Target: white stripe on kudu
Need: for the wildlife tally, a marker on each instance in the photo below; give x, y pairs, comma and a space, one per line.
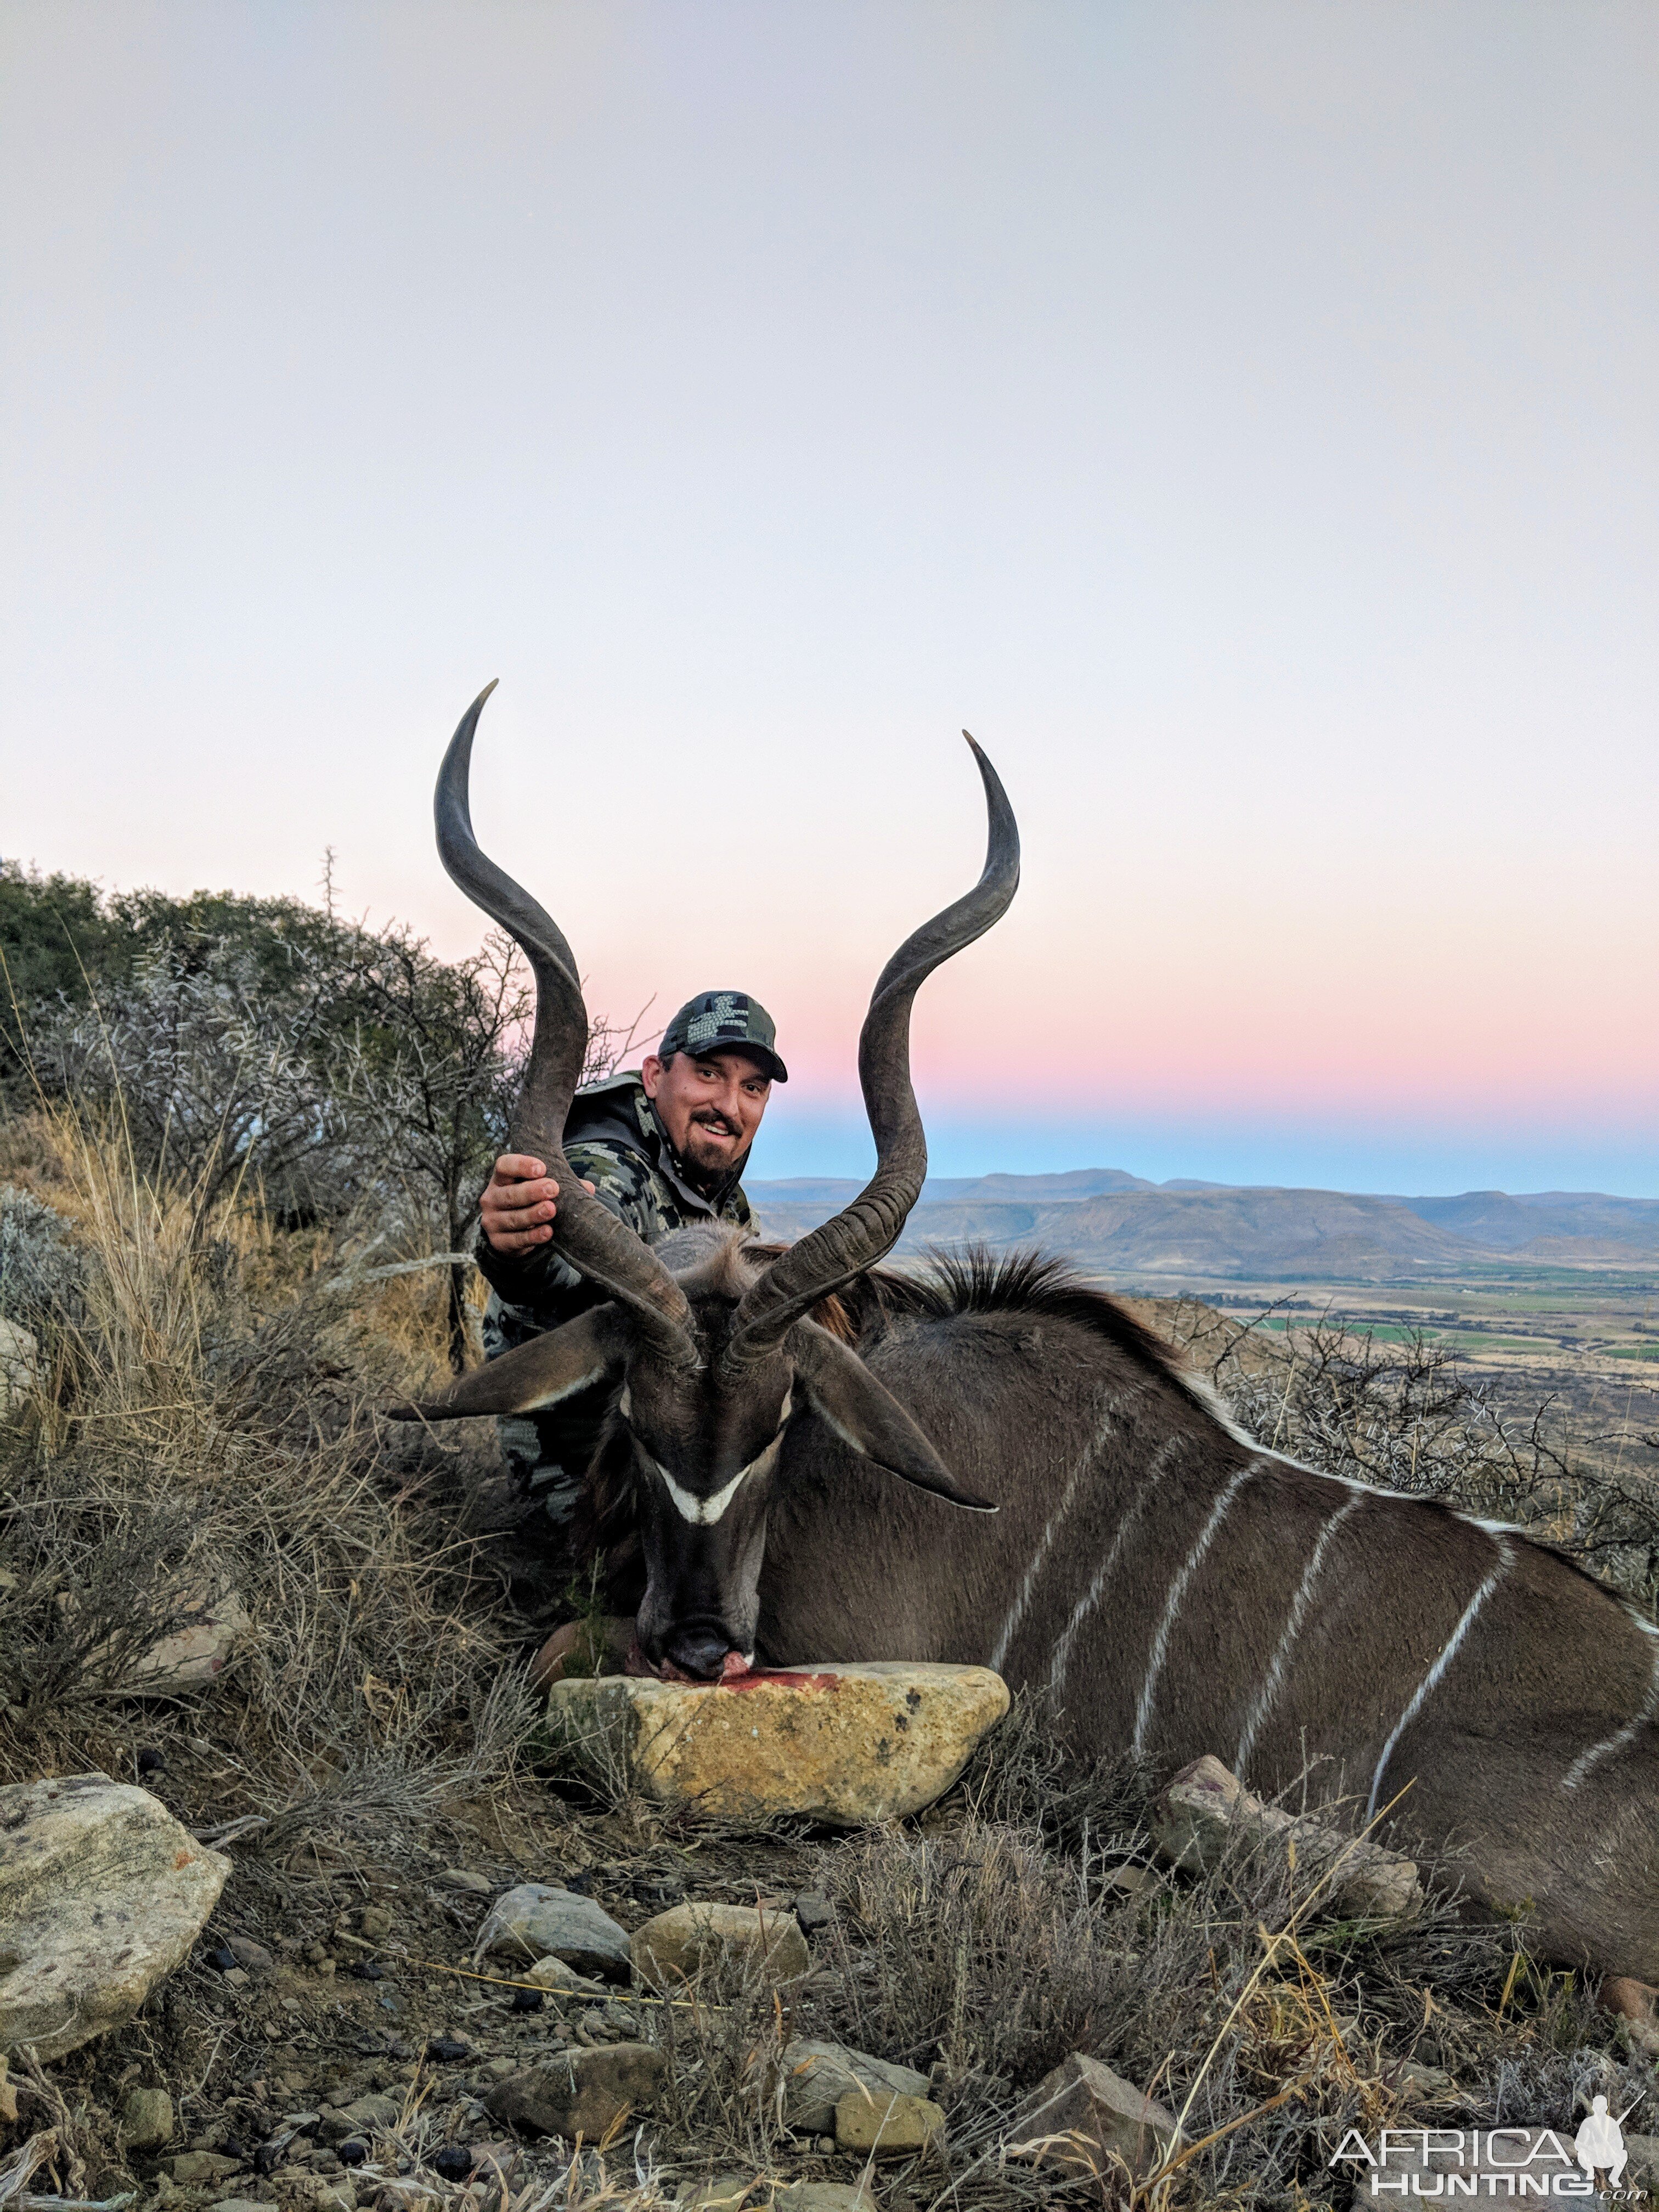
1274, 1679
1420, 1696
1090, 1597
1172, 1604
1616, 1743
1046, 1543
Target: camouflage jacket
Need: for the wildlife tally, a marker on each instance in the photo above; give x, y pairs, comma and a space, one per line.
613, 1140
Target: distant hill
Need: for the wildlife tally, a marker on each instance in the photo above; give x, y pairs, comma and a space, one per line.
1118, 1223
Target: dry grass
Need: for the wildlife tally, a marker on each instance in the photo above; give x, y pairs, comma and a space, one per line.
203, 1421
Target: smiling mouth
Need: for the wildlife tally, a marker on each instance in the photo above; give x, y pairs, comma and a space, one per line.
722, 1130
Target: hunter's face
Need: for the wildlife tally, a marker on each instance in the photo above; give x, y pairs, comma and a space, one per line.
711, 1104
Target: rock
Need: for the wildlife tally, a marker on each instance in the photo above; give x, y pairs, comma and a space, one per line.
19, 1363
814, 1911
817, 2075
887, 2125
677, 1944
473, 1885
1642, 2152
1200, 1811
1107, 2119
194, 1655
374, 1924
190, 2168
1417, 2082
1636, 2003
582, 2093
824, 2197
247, 1952
367, 2113
849, 1746
101, 1894
145, 2119
539, 1918
1131, 1880
550, 1973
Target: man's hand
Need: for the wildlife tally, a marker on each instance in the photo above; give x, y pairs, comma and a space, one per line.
517, 1206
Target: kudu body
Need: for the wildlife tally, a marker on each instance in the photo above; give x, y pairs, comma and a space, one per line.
1177, 1588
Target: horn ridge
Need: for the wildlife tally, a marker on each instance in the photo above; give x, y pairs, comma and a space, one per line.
864, 1231
588, 1234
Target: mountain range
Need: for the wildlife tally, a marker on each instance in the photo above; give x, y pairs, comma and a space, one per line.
1118, 1223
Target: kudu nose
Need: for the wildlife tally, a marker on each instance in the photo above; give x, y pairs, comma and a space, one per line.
701, 1652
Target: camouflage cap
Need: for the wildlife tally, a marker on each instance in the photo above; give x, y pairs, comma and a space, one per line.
725, 1021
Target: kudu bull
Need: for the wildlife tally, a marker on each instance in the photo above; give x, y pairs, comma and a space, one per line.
1179, 1588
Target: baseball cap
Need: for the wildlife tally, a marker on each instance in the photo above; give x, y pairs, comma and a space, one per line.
719, 1021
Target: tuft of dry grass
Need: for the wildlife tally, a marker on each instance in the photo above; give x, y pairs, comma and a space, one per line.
202, 1420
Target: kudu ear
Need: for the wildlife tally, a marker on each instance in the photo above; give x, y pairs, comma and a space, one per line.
842, 1392
535, 1375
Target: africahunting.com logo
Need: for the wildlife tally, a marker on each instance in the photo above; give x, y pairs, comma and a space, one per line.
1513, 2162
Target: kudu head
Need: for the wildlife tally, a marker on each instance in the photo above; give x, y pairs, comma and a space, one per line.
712, 1351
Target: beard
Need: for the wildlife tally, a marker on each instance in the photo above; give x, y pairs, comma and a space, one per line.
704, 1153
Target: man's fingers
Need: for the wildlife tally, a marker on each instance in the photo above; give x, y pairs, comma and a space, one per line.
507, 1197
520, 1241
518, 1167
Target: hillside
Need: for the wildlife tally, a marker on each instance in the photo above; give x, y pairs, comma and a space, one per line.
1118, 1223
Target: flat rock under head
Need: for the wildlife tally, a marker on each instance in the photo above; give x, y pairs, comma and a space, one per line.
848, 1745
101, 1894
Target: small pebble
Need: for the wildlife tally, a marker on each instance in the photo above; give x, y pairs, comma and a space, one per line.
369, 1970
222, 1957
267, 2158
526, 2000
447, 2048
812, 1909
352, 2152
150, 1761
452, 2163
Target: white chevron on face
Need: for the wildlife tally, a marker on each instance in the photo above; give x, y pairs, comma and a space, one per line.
704, 1512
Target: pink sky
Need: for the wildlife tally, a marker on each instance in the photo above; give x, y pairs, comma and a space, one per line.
1242, 419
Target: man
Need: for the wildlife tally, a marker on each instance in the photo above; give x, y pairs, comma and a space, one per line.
661, 1147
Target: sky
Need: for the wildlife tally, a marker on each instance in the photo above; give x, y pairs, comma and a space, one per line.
1241, 416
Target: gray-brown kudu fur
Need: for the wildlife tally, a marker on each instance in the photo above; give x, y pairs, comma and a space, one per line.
1178, 1588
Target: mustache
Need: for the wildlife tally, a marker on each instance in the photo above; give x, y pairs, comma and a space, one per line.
708, 1118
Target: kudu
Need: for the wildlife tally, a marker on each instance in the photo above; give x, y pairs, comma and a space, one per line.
1175, 1586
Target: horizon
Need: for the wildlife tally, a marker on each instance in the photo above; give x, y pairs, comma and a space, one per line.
1241, 420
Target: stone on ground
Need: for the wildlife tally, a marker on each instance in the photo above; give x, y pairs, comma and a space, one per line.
19, 1363
678, 1943
1098, 2119
551, 1973
582, 2093
538, 1920
824, 2197
145, 2119
191, 2168
101, 1895
817, 2075
888, 2124
195, 1654
1204, 1808
846, 1745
